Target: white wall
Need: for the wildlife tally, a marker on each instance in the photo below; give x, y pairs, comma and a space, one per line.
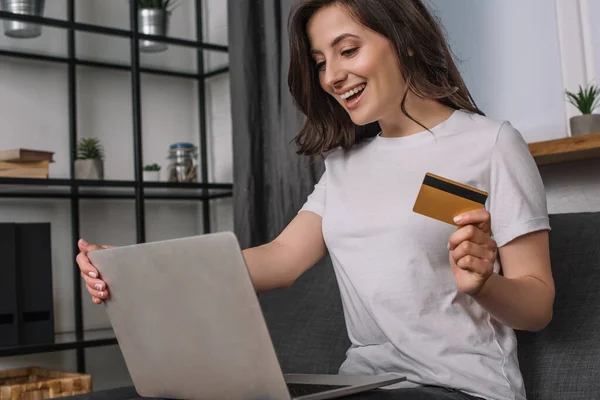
510, 56
34, 110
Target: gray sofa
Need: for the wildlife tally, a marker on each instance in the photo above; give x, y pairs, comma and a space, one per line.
561, 362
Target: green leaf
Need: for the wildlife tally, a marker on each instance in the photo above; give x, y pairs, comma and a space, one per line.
586, 100
89, 148
167, 5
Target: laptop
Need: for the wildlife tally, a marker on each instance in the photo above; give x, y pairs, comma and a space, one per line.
189, 325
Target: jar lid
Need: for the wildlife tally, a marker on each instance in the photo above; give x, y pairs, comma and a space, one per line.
182, 145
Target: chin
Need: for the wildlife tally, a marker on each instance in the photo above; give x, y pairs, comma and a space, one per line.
361, 119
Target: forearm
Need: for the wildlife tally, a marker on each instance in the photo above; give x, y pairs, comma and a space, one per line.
523, 303
267, 268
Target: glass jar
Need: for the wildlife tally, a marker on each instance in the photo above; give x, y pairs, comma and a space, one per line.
182, 166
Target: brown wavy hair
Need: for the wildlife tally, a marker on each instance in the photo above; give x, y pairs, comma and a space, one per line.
429, 71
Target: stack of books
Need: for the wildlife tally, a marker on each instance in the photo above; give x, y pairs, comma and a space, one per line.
25, 163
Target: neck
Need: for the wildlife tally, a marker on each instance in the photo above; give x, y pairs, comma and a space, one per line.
428, 112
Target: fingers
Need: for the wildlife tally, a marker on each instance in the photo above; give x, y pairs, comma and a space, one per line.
92, 283
86, 266
85, 247
97, 294
468, 248
470, 233
482, 267
480, 218
97, 287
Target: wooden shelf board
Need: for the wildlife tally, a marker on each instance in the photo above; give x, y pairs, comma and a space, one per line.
567, 149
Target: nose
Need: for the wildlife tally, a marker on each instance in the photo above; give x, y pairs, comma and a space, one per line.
335, 75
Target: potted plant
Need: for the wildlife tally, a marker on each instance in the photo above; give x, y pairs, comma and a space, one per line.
89, 162
22, 29
153, 19
151, 173
586, 101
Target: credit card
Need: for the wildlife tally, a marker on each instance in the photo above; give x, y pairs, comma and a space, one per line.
443, 199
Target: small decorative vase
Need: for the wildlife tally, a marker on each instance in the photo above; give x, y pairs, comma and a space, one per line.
152, 21
21, 29
151, 176
89, 169
585, 124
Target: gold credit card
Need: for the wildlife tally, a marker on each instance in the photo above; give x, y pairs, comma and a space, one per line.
444, 199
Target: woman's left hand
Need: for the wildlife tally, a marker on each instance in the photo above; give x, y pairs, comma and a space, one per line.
472, 251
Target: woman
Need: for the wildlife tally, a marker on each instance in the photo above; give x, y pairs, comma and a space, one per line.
385, 104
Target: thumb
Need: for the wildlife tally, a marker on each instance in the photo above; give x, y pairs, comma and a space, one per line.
85, 247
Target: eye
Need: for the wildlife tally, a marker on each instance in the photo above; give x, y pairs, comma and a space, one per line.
350, 52
320, 66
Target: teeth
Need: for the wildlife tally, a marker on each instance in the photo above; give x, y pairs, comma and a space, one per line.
353, 91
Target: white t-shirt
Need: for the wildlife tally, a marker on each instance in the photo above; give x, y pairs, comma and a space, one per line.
402, 309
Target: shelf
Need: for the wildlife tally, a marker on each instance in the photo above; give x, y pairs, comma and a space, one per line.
114, 66
125, 56
77, 26
567, 149
110, 189
64, 341
111, 183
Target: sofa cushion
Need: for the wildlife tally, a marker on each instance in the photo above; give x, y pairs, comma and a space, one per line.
562, 361
306, 322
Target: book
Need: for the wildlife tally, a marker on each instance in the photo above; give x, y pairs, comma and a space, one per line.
26, 155
24, 173
24, 164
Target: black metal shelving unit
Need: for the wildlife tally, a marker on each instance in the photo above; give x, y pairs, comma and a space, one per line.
138, 190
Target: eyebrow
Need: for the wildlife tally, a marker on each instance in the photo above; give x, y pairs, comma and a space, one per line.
335, 41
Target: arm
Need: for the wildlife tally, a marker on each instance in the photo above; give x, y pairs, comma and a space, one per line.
274, 265
280, 262
523, 297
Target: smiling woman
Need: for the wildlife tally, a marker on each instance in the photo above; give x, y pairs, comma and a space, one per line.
367, 56
385, 105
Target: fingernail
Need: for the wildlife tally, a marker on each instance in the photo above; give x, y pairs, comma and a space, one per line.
457, 219
83, 242
93, 274
98, 286
100, 294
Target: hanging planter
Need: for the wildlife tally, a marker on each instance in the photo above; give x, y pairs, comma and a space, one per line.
21, 29
153, 19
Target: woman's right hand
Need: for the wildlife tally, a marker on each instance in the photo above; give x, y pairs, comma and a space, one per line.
96, 286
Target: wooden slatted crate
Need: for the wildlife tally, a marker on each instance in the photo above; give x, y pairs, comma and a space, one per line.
35, 383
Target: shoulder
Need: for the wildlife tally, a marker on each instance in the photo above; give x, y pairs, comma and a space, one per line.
480, 123
491, 133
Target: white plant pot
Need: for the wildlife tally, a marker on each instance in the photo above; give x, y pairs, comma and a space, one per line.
585, 124
151, 176
89, 169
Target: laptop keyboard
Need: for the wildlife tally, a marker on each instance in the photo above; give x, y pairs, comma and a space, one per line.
303, 389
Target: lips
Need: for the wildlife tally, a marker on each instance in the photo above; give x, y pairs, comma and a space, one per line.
352, 97
354, 90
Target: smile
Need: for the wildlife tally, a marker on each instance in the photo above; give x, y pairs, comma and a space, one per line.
356, 90
352, 97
